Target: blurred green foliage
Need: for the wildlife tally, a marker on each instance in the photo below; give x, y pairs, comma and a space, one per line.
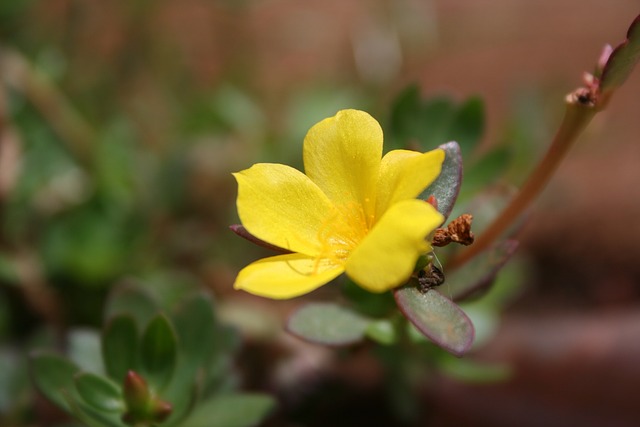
150, 368
126, 142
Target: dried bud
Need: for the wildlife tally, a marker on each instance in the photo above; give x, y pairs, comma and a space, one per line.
458, 231
586, 96
430, 277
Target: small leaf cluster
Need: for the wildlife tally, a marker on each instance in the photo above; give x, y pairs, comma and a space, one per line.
158, 368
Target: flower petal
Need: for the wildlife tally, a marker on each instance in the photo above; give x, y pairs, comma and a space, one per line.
286, 276
387, 256
342, 155
280, 205
405, 174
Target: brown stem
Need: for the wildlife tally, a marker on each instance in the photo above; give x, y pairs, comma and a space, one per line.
577, 116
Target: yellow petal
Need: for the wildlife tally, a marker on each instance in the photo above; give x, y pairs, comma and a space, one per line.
286, 276
342, 155
405, 174
280, 205
387, 256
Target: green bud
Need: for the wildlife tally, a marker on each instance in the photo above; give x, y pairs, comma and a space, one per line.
143, 408
136, 392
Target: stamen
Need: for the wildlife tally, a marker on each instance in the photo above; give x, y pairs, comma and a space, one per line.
296, 270
342, 231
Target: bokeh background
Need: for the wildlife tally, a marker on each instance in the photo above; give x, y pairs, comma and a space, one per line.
121, 122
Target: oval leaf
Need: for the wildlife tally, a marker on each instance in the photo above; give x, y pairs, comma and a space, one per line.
478, 274
232, 410
53, 374
120, 347
486, 170
99, 392
447, 186
382, 331
129, 299
158, 352
83, 348
467, 126
196, 328
327, 323
471, 372
622, 60
414, 120
488, 204
437, 317
195, 325
93, 417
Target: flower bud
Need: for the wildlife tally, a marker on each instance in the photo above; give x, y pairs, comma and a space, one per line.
143, 408
136, 392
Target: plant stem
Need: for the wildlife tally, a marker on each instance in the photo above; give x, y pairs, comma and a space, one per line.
577, 117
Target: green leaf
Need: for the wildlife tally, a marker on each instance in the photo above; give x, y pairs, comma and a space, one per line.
479, 273
437, 317
158, 351
120, 346
128, 298
98, 392
435, 118
446, 187
432, 121
195, 325
232, 410
84, 349
92, 417
168, 287
487, 205
196, 328
382, 331
487, 170
90, 244
405, 118
485, 318
114, 163
622, 60
474, 372
467, 126
368, 303
53, 374
328, 323
414, 120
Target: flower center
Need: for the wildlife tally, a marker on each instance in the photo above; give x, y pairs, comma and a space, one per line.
342, 231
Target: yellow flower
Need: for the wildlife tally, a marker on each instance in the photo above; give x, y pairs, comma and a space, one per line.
354, 211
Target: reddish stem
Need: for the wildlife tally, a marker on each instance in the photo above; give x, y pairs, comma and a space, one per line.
577, 116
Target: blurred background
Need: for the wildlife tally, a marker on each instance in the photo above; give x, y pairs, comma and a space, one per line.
121, 122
